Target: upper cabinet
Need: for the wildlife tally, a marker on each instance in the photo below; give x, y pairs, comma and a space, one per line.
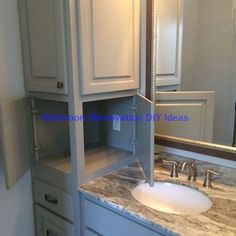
169, 42
110, 45
44, 45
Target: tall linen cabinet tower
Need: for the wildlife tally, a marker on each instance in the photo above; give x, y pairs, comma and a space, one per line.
81, 58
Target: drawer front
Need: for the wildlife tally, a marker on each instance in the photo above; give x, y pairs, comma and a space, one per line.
48, 224
90, 232
101, 221
54, 199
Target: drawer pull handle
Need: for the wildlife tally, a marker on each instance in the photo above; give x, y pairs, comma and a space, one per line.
51, 199
50, 233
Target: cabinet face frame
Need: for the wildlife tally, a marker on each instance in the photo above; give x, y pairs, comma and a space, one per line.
94, 76
172, 79
38, 78
76, 99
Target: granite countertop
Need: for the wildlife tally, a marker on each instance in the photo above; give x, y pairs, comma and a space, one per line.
114, 190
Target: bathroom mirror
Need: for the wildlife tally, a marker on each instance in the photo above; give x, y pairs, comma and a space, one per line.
195, 90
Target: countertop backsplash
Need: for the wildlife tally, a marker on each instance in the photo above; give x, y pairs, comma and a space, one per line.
228, 175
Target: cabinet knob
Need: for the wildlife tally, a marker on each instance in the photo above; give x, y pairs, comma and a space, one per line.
60, 85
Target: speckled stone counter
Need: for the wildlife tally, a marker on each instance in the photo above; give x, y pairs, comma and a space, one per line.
114, 190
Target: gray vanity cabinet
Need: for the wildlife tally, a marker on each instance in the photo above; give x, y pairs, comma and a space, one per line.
44, 45
101, 221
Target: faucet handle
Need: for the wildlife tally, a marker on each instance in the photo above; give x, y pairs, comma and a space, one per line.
174, 172
207, 180
208, 171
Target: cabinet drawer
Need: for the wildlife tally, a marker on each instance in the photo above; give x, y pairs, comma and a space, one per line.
90, 232
48, 224
101, 221
54, 199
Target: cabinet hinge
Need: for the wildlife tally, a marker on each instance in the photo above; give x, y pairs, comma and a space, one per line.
133, 108
34, 111
134, 144
36, 149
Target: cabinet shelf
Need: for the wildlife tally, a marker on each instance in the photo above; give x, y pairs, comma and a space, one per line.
60, 162
56, 170
100, 157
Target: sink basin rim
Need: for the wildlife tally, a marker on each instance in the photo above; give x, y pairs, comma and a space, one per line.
158, 203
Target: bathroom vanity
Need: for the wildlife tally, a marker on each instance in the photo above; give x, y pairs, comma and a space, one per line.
110, 198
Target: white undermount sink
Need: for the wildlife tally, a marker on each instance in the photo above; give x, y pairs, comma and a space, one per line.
172, 198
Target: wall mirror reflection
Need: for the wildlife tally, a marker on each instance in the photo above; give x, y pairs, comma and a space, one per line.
195, 70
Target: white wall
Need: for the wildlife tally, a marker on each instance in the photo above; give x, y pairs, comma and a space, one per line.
16, 207
207, 54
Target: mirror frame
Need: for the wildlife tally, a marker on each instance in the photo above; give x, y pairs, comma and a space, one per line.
210, 149
150, 49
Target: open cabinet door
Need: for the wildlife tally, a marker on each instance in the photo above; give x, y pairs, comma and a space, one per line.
145, 137
16, 139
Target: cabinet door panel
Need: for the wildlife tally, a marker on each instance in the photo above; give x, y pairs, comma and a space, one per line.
145, 137
109, 223
43, 39
16, 138
168, 20
169, 42
110, 45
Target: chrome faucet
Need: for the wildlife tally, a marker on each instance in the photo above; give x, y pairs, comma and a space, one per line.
192, 170
208, 175
174, 172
